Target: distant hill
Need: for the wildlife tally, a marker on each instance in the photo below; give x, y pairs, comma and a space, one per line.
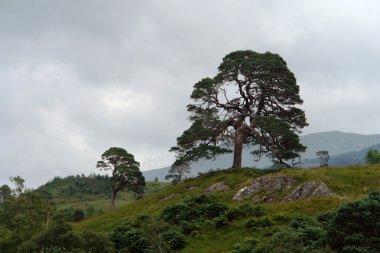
346, 159
334, 142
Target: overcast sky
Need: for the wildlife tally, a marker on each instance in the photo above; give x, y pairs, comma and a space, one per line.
78, 77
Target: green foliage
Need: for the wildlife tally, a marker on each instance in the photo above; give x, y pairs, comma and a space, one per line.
372, 157
259, 223
125, 171
147, 234
31, 223
74, 215
246, 246
78, 215
355, 227
5, 192
251, 100
193, 210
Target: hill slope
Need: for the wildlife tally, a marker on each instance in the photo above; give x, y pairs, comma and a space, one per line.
347, 183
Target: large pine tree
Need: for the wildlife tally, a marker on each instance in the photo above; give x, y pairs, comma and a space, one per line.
251, 101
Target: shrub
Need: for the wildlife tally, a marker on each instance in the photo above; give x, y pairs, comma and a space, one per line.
221, 222
247, 246
192, 211
249, 210
258, 223
233, 214
355, 227
210, 211
175, 239
147, 234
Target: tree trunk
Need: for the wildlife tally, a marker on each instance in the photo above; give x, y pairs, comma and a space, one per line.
238, 150
113, 199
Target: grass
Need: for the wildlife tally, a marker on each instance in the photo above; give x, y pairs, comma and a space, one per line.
349, 183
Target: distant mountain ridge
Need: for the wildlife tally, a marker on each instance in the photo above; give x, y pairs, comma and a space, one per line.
335, 142
346, 159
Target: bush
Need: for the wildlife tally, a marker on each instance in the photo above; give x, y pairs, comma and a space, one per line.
175, 239
258, 223
221, 222
249, 210
210, 211
192, 212
147, 234
233, 214
355, 227
247, 246
95, 243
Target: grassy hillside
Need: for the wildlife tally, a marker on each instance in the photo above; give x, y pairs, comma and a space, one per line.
349, 183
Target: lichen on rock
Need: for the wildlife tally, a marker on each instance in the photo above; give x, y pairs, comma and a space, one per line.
266, 183
309, 190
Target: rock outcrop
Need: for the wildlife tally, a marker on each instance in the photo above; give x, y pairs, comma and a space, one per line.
217, 187
269, 189
266, 183
309, 190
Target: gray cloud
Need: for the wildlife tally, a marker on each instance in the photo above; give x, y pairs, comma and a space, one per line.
78, 77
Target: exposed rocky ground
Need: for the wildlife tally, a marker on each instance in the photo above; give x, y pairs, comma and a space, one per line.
272, 188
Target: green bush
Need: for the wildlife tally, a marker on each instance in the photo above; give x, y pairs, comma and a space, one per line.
175, 239
355, 227
147, 234
250, 210
258, 223
193, 212
247, 246
221, 222
233, 214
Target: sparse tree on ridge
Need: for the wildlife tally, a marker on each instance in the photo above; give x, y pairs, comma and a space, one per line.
125, 172
323, 157
177, 171
251, 101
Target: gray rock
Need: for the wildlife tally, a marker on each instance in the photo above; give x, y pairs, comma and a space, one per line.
309, 190
217, 187
266, 183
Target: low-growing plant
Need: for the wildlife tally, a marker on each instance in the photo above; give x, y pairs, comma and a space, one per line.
221, 222
259, 223
248, 245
